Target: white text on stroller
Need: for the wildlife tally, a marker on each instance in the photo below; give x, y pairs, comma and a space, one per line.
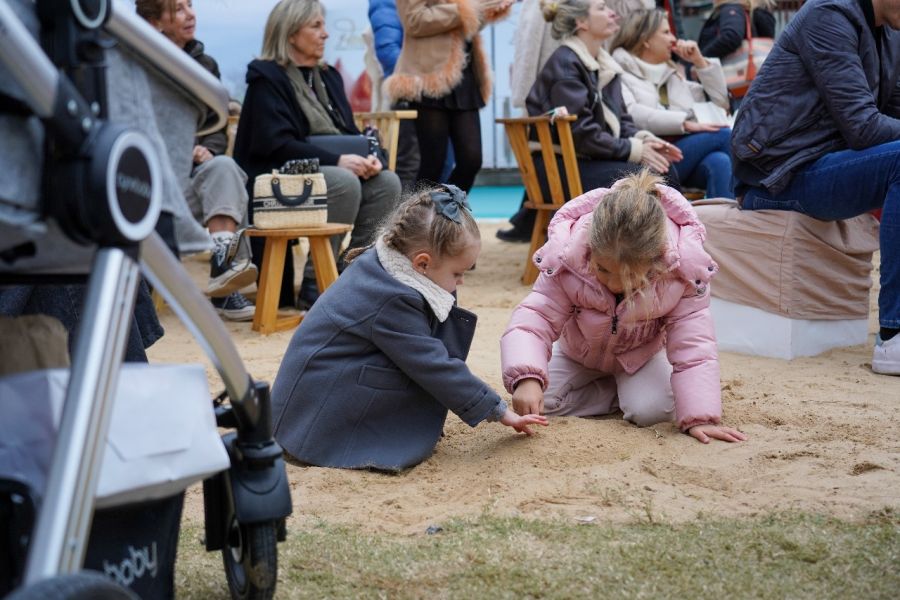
134, 566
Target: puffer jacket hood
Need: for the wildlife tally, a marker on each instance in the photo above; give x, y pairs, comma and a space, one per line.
570, 305
569, 233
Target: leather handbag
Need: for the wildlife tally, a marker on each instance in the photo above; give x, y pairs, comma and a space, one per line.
283, 200
742, 65
364, 144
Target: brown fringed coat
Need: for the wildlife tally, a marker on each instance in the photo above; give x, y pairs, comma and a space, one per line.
435, 33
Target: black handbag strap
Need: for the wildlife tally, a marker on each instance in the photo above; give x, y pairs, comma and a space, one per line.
292, 200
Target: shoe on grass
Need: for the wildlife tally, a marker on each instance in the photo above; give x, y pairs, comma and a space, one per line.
229, 271
886, 358
234, 307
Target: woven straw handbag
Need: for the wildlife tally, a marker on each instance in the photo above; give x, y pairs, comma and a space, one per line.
282, 201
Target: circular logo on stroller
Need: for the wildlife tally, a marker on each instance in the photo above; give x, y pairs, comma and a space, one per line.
134, 188
133, 185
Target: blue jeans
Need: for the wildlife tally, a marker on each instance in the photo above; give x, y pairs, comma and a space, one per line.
845, 184
706, 163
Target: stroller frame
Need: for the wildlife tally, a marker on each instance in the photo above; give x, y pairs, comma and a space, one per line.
59, 538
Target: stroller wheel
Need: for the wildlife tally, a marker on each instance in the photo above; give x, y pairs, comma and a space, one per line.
251, 560
86, 585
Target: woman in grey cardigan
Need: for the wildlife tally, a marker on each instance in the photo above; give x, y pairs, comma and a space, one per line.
370, 374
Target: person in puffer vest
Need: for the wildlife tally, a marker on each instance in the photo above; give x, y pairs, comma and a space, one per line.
619, 316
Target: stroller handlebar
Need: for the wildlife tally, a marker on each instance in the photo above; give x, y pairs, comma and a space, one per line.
169, 60
26, 61
163, 270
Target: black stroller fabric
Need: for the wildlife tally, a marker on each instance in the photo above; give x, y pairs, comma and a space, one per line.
136, 544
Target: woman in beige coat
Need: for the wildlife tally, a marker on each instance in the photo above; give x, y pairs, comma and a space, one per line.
662, 100
443, 73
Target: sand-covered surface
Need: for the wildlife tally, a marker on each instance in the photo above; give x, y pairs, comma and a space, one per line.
824, 437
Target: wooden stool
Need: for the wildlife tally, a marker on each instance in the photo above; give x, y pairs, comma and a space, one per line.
517, 130
266, 319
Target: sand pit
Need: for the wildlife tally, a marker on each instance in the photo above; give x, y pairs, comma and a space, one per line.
823, 438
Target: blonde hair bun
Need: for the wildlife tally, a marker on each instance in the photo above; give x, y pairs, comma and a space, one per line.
549, 9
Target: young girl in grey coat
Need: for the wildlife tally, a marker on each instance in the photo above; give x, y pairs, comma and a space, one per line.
370, 374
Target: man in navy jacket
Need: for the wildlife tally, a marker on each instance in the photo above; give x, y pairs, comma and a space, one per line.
819, 133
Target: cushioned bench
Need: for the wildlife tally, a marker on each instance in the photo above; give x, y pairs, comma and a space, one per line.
789, 285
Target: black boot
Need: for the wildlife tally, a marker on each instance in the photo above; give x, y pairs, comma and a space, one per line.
309, 293
514, 234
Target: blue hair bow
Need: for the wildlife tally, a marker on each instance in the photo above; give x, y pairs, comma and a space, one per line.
449, 201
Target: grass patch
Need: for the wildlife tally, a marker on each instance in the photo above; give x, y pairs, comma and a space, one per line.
781, 556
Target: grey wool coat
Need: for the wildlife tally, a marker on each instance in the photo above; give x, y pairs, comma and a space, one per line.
370, 374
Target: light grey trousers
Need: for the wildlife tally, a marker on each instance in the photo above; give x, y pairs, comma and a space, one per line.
218, 188
646, 397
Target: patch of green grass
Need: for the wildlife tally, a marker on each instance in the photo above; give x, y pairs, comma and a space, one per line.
780, 556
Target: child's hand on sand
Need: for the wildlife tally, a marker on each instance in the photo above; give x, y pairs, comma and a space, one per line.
521, 423
719, 432
528, 397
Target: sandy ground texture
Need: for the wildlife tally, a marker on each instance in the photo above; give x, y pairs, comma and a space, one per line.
823, 438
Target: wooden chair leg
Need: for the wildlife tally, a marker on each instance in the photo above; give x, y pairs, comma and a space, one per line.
538, 239
323, 261
159, 303
266, 320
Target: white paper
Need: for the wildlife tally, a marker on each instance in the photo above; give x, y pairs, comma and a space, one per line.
709, 112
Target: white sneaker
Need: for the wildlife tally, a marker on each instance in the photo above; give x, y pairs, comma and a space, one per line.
886, 358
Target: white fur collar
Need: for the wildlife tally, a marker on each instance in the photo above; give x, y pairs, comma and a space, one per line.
580, 49
603, 62
400, 268
654, 73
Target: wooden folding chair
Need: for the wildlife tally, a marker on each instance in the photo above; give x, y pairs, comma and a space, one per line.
231, 131
517, 130
388, 124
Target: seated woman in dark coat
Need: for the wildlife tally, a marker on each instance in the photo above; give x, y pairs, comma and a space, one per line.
583, 79
371, 372
291, 95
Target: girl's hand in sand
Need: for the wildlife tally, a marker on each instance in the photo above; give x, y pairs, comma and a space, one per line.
528, 397
520, 424
719, 432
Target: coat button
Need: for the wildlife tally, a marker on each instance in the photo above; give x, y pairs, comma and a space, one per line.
549, 271
537, 259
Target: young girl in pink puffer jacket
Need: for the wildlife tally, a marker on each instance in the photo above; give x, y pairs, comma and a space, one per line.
620, 314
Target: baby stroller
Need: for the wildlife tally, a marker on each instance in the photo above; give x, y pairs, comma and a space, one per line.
93, 219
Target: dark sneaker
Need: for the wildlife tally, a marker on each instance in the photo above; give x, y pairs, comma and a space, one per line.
229, 269
234, 307
514, 235
309, 293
